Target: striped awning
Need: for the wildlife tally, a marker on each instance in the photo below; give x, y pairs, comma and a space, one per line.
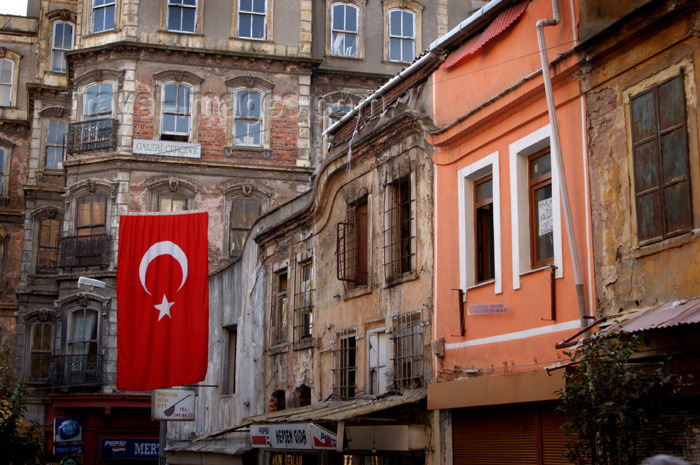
498, 25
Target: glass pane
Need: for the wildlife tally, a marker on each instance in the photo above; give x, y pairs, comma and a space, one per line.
53, 132
679, 215
174, 22
407, 50
67, 36
61, 132
646, 166
84, 211
245, 25
339, 17
484, 190
189, 2
170, 98
188, 19
99, 20
51, 162
238, 240
183, 100
395, 23
350, 45
350, 18
395, 49
671, 103
109, 18
246, 5
643, 115
183, 124
674, 152
98, 209
6, 71
168, 123
540, 165
58, 35
649, 221
407, 24
259, 6
258, 27
543, 214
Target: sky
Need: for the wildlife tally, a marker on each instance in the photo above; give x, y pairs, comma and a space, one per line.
13, 7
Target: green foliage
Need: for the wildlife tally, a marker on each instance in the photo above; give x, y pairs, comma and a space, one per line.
20, 441
607, 400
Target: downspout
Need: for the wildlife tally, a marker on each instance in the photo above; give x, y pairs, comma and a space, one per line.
568, 218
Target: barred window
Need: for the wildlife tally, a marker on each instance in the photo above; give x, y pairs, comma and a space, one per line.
408, 350
399, 228
345, 363
303, 303
352, 245
280, 307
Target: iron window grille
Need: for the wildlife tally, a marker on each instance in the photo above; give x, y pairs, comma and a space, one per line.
352, 245
98, 135
303, 305
345, 363
76, 370
408, 350
83, 251
399, 228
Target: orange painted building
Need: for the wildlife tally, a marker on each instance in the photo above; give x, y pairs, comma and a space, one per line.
507, 286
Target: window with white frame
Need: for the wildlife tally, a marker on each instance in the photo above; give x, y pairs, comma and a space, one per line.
55, 144
345, 363
7, 76
103, 12
97, 103
182, 15
62, 42
176, 113
344, 30
376, 361
535, 205
82, 338
480, 223
252, 19
402, 35
248, 123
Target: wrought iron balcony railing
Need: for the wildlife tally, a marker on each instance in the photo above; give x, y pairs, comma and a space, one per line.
76, 370
97, 135
81, 251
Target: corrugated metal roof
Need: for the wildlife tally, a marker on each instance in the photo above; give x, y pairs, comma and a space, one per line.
210, 447
332, 410
498, 25
668, 315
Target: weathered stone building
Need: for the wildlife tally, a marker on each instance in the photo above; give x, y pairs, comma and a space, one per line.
641, 74
125, 106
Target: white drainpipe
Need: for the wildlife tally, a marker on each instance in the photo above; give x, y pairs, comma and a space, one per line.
568, 218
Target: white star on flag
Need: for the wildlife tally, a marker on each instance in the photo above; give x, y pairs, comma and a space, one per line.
164, 308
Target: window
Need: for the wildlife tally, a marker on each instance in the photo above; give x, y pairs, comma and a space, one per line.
376, 361
248, 124
661, 165
103, 15
535, 212
345, 363
40, 351
252, 18
62, 42
83, 332
55, 144
277, 401
91, 217
483, 221
4, 169
280, 308
303, 303
7, 77
229, 383
352, 246
408, 351
47, 247
175, 113
399, 228
540, 195
182, 15
171, 195
98, 101
244, 212
344, 30
172, 203
402, 32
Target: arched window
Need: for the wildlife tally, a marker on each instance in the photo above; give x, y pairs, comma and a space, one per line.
48, 230
40, 350
344, 30
98, 101
402, 35
82, 339
62, 42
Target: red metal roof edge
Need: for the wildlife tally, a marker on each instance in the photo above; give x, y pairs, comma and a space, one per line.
666, 315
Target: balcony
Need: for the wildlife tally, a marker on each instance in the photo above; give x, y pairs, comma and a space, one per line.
83, 251
76, 370
98, 135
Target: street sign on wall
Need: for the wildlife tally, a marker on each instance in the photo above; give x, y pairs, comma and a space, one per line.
172, 404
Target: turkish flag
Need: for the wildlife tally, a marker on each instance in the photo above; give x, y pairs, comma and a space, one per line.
162, 300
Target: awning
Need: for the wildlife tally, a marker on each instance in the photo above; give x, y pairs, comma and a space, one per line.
668, 315
331, 411
497, 26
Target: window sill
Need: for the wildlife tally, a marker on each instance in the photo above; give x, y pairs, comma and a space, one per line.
357, 291
343, 57
640, 251
306, 343
252, 39
481, 284
400, 63
180, 33
535, 270
279, 349
408, 276
50, 173
247, 151
99, 33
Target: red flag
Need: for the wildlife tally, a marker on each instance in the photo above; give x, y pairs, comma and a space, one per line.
162, 301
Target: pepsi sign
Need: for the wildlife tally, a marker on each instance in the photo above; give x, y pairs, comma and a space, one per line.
129, 448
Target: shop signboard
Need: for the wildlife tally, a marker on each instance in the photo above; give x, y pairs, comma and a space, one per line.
299, 436
167, 148
172, 404
129, 448
67, 436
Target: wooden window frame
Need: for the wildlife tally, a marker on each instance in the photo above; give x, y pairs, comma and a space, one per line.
280, 307
535, 184
480, 248
52, 248
87, 229
303, 303
352, 247
42, 352
357, 33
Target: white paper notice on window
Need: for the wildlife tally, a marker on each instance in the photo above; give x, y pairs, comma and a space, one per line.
544, 220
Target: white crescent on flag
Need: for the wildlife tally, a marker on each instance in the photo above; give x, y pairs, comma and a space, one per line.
158, 249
